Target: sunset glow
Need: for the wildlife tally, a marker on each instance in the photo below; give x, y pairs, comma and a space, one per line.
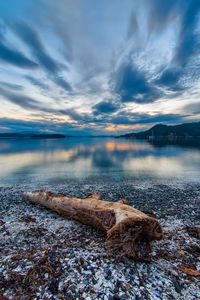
88, 68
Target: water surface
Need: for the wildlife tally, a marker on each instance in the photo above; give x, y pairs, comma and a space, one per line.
95, 159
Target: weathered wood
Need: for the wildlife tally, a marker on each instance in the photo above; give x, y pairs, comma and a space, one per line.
129, 231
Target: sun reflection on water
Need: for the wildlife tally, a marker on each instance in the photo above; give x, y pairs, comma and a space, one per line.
72, 158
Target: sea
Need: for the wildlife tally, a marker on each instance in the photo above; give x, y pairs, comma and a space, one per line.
96, 159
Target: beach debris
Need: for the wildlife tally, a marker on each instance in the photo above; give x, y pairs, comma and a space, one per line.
66, 241
129, 231
190, 271
181, 252
27, 219
194, 231
81, 260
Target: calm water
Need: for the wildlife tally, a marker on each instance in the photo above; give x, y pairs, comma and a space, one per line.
100, 159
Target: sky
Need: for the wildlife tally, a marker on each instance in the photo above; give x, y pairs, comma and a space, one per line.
86, 67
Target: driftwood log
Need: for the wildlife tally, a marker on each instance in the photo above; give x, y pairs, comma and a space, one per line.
129, 231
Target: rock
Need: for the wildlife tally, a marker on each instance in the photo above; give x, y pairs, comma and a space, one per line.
81, 260
27, 219
177, 286
108, 274
157, 294
72, 288
52, 257
194, 231
125, 286
181, 252
114, 297
17, 257
53, 287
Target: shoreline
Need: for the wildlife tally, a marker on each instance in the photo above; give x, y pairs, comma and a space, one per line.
46, 256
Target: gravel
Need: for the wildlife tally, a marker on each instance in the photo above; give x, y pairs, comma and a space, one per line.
46, 256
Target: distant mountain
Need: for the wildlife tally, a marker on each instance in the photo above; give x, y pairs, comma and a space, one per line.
168, 132
47, 136
36, 135
30, 135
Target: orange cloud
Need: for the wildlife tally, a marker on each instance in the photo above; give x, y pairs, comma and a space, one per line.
4, 128
47, 130
110, 128
124, 127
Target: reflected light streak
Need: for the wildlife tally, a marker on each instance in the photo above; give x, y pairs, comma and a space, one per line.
162, 166
11, 162
111, 146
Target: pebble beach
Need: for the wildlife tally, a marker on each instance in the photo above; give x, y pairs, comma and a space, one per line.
46, 256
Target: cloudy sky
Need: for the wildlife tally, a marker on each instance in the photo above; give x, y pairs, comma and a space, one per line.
98, 67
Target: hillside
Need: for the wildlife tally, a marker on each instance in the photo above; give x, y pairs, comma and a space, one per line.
161, 131
30, 135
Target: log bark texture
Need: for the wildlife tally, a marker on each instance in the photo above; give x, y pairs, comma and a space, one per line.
129, 231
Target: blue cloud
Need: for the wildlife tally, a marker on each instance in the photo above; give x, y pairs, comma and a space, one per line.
163, 12
170, 78
36, 82
60, 81
132, 86
137, 53
105, 107
133, 25
144, 118
187, 47
31, 38
193, 108
11, 86
20, 100
29, 103
15, 57
189, 43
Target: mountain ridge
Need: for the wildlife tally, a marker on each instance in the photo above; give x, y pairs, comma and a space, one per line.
30, 135
162, 131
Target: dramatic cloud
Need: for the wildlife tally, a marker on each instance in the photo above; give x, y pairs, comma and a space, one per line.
170, 79
132, 86
104, 107
188, 43
133, 25
62, 83
40, 125
15, 58
187, 47
162, 12
31, 38
20, 100
141, 118
36, 82
34, 105
99, 67
11, 86
193, 108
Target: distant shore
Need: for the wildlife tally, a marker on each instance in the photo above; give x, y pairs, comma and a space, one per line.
46, 255
47, 136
